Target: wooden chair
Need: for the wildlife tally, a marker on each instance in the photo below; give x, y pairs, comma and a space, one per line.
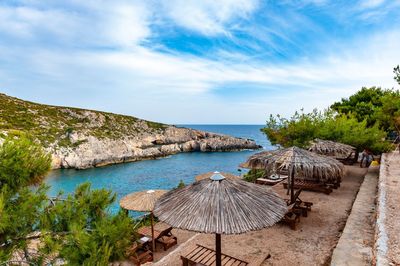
292, 217
204, 256
139, 255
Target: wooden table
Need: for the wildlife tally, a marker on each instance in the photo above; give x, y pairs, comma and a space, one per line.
205, 256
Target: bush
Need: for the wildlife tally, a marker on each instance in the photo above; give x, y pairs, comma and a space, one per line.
78, 229
253, 174
301, 128
22, 162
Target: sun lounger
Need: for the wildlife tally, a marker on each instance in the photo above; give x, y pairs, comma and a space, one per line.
162, 235
204, 256
269, 181
167, 241
310, 186
139, 255
349, 160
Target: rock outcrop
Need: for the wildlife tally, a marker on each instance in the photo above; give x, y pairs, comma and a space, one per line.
80, 138
93, 152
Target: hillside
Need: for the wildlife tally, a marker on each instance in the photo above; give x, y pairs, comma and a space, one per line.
53, 125
79, 138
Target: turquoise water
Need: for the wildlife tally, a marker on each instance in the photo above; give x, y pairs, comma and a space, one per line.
164, 173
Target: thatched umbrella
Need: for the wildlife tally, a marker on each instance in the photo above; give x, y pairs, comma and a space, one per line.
299, 162
209, 174
220, 205
143, 201
331, 148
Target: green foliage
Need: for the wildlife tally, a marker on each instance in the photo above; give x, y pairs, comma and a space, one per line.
375, 105
301, 128
22, 162
253, 174
78, 228
87, 228
19, 214
295, 131
396, 72
181, 184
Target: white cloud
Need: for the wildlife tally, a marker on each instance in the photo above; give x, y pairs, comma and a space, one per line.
120, 24
208, 17
126, 24
181, 89
371, 3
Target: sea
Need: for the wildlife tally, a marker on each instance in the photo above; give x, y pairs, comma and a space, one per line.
163, 173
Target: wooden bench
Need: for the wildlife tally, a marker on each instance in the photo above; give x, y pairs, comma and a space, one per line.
205, 256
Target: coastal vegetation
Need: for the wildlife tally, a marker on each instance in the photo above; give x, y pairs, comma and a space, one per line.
76, 228
363, 120
53, 125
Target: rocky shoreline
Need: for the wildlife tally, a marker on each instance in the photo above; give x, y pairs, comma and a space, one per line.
81, 138
88, 151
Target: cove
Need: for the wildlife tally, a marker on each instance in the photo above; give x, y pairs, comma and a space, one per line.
163, 173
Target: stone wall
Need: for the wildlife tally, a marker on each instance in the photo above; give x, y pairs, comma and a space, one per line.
387, 231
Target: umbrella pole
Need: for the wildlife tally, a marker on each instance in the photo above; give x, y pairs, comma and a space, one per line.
292, 186
153, 242
218, 259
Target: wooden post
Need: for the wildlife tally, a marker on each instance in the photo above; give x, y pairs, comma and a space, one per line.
218, 259
153, 242
292, 185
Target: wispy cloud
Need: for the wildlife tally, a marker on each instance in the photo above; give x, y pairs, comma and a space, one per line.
208, 17
254, 58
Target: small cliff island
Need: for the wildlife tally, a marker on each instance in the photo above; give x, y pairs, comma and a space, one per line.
79, 138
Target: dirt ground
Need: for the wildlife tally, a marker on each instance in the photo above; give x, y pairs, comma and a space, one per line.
311, 244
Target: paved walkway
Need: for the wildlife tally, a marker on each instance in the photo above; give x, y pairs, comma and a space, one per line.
355, 246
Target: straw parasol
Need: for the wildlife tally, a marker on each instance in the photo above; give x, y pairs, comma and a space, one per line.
331, 148
209, 174
143, 201
220, 205
299, 162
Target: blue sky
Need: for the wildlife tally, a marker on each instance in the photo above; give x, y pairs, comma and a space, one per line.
190, 61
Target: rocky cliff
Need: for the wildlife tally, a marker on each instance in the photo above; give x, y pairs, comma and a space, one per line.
79, 138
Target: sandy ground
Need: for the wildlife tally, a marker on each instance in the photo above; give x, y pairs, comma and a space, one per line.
311, 244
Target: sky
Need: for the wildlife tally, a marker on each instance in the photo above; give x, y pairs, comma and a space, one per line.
197, 62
